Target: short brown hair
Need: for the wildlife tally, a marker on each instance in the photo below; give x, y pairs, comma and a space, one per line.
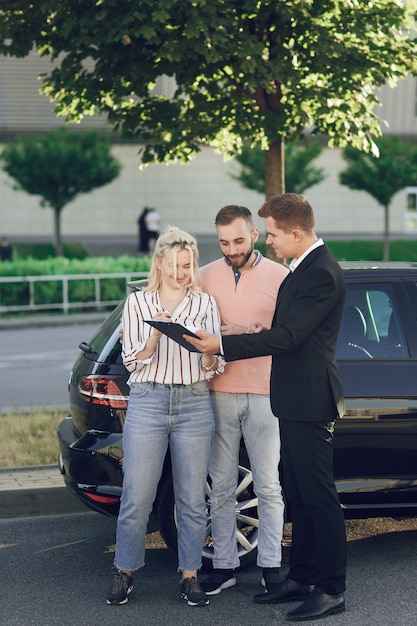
289, 210
228, 213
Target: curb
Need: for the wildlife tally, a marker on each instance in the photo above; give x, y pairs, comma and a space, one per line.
35, 491
39, 502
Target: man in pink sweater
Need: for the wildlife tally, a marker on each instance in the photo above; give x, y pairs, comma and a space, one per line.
245, 285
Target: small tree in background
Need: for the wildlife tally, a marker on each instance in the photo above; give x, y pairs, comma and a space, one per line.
382, 177
58, 166
300, 174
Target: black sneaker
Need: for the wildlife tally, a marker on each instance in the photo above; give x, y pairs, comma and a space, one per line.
120, 589
271, 578
217, 581
192, 592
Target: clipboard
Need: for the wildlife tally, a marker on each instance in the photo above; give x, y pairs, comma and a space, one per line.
174, 331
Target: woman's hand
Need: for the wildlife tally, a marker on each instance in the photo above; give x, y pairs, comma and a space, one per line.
162, 316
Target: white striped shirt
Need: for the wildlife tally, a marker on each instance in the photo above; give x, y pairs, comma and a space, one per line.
170, 363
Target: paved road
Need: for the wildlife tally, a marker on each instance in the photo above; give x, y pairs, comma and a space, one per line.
35, 363
56, 570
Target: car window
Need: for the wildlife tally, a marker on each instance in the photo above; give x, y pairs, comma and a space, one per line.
371, 325
105, 343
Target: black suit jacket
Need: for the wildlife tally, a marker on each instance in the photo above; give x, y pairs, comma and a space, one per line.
305, 380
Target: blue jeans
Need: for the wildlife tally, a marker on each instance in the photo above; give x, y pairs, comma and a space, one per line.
180, 416
250, 416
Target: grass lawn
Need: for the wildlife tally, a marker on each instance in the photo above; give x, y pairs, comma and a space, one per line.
28, 438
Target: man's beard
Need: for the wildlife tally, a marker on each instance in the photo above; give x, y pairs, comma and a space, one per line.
238, 263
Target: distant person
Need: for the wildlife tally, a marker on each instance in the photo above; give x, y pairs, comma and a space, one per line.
6, 250
143, 232
153, 226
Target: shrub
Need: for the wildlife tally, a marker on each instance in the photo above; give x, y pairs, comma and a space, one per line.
50, 291
46, 250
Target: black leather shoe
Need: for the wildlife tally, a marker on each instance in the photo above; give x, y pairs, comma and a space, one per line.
318, 604
284, 592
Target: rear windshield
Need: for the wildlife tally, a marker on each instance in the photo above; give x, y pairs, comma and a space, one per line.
105, 343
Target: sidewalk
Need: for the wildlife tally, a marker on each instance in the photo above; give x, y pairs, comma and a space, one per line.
29, 491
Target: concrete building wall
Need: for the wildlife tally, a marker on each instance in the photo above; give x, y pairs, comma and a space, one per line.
342, 210
187, 196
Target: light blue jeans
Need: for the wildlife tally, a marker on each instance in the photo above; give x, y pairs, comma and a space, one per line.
249, 415
180, 416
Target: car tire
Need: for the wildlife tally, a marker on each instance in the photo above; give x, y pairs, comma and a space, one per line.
247, 522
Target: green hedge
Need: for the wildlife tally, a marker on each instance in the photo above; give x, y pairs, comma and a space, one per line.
46, 250
401, 250
62, 265
50, 291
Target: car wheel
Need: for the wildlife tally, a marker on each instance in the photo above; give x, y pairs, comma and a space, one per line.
247, 522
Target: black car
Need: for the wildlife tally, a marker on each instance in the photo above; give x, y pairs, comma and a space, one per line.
375, 459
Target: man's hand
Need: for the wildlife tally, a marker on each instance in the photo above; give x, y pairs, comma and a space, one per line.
255, 327
207, 344
229, 328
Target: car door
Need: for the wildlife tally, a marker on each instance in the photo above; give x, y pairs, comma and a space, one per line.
376, 442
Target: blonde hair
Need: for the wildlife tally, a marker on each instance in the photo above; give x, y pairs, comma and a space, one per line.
172, 241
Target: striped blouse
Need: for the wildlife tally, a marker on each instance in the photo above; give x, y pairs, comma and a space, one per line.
170, 363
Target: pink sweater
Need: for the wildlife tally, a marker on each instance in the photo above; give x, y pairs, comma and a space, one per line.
253, 299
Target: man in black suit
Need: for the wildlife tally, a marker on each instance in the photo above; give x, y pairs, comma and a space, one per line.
307, 397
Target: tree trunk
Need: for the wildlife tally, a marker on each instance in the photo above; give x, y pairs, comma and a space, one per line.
57, 231
386, 234
275, 180
275, 169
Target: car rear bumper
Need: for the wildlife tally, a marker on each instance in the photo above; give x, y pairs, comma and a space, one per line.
91, 467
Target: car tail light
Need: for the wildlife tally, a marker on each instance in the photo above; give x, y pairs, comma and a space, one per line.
100, 498
102, 391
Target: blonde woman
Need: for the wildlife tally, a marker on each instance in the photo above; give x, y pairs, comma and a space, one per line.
169, 405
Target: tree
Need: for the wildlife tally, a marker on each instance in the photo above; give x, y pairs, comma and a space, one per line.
382, 177
300, 174
58, 166
252, 71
